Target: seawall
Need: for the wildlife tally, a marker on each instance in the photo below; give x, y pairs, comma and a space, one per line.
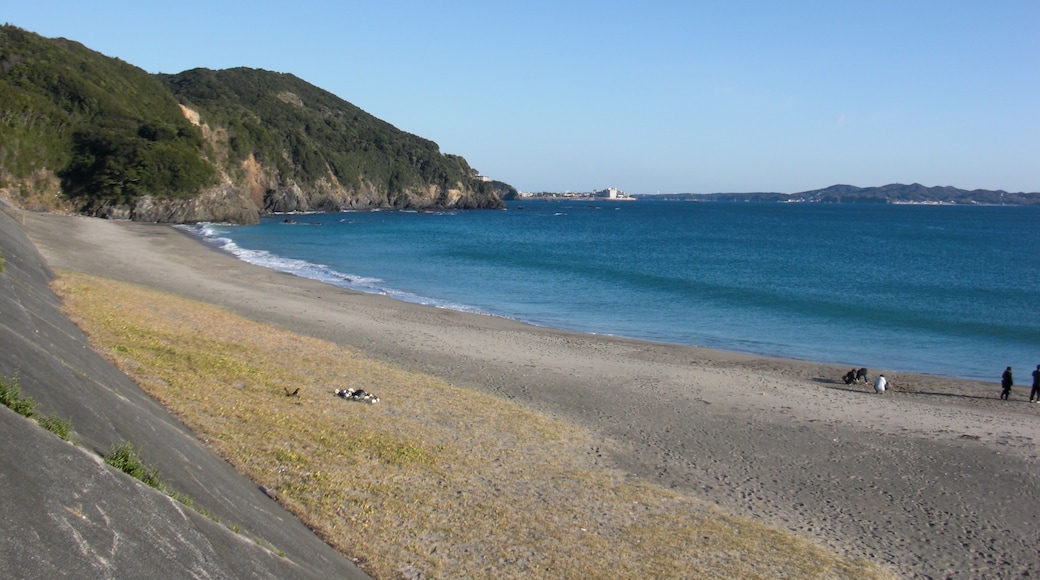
67, 513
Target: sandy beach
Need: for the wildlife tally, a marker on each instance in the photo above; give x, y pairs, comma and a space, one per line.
935, 478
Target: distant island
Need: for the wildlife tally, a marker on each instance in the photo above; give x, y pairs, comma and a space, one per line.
895, 193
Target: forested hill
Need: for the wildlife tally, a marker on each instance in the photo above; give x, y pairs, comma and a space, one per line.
95, 134
893, 193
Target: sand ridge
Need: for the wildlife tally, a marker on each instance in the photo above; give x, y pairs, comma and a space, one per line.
936, 478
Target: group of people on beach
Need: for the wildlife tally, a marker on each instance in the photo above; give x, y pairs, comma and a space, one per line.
855, 375
1007, 381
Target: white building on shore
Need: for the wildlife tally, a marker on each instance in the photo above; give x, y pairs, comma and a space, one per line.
612, 193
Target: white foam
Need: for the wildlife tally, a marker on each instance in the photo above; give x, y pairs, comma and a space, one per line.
211, 234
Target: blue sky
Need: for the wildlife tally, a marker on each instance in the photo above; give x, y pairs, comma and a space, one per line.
684, 96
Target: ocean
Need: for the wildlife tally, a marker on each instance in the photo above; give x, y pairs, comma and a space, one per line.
945, 290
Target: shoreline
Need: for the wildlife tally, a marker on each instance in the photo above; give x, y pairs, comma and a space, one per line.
316, 271
928, 479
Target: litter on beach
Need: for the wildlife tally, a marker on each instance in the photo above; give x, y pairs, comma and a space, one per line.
357, 395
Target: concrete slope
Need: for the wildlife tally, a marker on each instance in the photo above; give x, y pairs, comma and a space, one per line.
66, 513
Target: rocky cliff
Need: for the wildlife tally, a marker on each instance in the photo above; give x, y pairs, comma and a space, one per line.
97, 134
288, 146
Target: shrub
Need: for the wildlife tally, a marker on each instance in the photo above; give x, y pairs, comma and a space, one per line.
57, 425
124, 458
11, 396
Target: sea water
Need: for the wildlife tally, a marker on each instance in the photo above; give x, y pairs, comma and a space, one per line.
947, 290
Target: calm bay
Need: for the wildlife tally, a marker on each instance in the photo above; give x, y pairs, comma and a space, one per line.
945, 290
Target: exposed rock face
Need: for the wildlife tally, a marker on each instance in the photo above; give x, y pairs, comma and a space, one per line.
285, 199
273, 142
230, 204
218, 204
330, 197
259, 185
249, 189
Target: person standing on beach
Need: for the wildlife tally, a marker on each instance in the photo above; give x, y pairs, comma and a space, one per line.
1036, 386
1006, 382
880, 384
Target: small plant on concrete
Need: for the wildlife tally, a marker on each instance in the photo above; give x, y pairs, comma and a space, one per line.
57, 425
11, 396
124, 458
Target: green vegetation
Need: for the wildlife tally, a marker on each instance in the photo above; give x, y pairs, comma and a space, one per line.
504, 190
124, 458
892, 193
112, 133
11, 397
60, 427
113, 165
308, 134
1, 262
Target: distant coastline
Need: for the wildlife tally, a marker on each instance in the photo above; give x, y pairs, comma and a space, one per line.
896, 193
608, 194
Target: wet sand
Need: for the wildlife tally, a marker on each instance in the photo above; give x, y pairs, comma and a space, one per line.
935, 478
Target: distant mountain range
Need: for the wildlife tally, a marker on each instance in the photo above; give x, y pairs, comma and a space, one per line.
893, 193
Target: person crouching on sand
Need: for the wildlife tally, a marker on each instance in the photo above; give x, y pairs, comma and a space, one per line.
1006, 382
880, 384
1036, 386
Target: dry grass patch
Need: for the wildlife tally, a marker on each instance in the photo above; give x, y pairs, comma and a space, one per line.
434, 479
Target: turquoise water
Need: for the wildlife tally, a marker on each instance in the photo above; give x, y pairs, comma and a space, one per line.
945, 290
